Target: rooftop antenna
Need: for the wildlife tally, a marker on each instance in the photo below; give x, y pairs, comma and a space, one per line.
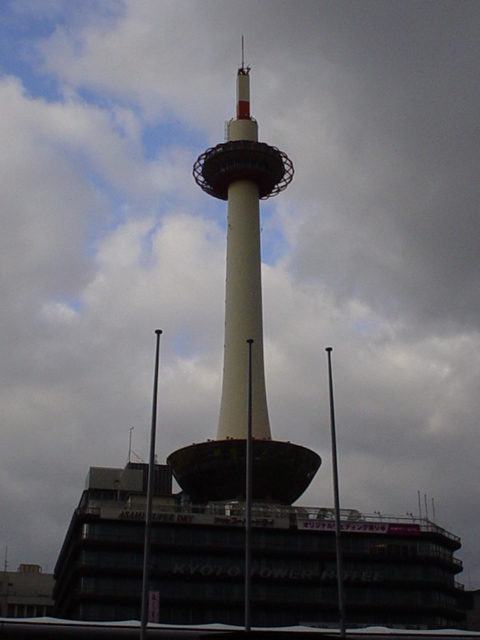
130, 446
131, 452
244, 70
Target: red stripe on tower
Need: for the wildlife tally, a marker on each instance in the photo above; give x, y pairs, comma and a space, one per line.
243, 94
243, 110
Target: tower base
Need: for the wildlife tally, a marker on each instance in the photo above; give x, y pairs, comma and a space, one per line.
216, 470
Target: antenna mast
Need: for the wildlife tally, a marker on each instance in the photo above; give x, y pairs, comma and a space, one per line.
130, 446
243, 54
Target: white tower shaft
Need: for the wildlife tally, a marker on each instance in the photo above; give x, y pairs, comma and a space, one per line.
243, 300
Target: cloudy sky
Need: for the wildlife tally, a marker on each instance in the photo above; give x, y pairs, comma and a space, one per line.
373, 249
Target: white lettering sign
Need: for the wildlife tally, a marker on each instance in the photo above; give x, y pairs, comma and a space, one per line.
283, 573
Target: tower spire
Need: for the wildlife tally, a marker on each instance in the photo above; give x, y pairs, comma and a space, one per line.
243, 89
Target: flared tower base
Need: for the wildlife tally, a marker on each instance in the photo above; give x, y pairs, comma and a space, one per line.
216, 470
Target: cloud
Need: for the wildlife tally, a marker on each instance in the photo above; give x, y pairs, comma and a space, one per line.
371, 250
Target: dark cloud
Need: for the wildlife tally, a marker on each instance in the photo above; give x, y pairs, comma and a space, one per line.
409, 141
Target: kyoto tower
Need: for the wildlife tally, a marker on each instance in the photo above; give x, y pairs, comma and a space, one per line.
243, 171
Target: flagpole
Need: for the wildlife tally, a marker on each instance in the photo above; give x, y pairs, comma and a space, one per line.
248, 498
148, 518
336, 493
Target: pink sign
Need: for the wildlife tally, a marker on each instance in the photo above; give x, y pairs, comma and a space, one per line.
153, 606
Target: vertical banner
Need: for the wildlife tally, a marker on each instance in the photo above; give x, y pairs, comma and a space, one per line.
153, 606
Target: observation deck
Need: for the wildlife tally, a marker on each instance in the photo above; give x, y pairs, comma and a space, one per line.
271, 169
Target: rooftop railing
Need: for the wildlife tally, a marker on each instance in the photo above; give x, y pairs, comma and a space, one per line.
269, 510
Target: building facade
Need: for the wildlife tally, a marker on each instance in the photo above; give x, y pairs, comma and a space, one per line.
26, 593
398, 572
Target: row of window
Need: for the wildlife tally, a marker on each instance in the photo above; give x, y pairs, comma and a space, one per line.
269, 567
276, 540
270, 593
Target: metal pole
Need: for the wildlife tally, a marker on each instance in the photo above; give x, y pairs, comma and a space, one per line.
336, 492
148, 518
248, 497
